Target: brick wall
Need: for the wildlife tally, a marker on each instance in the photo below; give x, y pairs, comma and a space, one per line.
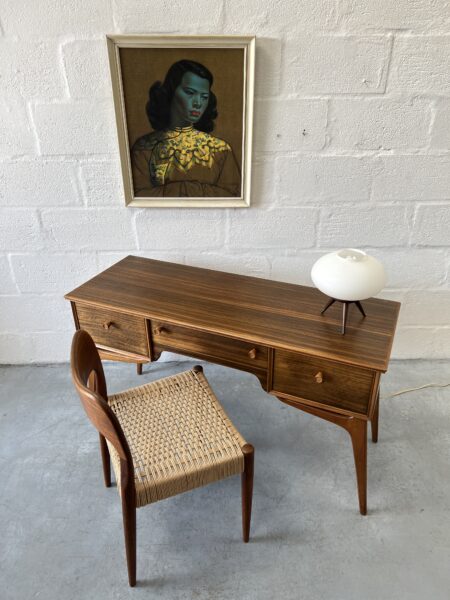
351, 148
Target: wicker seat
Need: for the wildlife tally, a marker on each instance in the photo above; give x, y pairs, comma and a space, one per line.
164, 438
179, 436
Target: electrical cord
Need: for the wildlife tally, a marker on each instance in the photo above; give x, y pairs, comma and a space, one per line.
421, 387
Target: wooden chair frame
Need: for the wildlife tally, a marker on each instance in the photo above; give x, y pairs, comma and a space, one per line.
89, 380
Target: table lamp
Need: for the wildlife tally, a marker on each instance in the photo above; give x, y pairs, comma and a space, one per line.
348, 276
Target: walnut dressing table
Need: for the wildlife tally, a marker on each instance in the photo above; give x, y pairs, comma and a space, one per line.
139, 307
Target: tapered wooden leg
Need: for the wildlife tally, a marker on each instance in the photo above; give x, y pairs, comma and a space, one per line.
357, 429
129, 528
139, 368
247, 489
105, 461
374, 421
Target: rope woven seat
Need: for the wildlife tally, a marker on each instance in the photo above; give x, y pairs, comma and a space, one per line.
163, 438
179, 436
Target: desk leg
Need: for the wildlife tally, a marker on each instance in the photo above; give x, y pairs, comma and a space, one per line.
139, 368
374, 420
357, 428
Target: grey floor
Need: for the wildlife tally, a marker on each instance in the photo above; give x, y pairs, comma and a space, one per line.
61, 532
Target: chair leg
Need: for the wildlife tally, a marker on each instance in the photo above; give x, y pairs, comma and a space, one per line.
105, 461
247, 489
129, 529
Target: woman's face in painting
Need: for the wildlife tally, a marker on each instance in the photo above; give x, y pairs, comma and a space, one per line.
189, 101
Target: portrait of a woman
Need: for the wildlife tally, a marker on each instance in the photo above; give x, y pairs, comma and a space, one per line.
181, 157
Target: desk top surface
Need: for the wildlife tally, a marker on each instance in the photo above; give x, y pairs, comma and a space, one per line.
273, 313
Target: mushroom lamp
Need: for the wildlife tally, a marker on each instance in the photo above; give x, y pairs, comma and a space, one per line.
348, 276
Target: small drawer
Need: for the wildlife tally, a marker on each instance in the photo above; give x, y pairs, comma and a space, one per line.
113, 329
322, 381
210, 346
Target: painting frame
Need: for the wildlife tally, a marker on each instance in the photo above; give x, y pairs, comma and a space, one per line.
123, 104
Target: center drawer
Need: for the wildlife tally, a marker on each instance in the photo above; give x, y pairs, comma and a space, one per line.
210, 346
322, 381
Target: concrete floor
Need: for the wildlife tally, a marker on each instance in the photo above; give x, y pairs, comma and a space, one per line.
61, 530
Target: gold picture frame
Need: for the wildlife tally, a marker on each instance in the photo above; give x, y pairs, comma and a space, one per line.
184, 113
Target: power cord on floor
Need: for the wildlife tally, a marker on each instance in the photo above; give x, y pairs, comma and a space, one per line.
421, 387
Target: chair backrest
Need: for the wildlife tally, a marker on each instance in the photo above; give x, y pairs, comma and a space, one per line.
89, 380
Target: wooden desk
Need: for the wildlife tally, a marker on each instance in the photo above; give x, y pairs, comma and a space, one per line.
139, 307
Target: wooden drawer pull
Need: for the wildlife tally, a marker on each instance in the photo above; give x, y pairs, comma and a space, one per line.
252, 353
107, 325
160, 330
319, 377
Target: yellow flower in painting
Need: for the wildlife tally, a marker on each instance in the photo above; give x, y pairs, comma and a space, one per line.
183, 156
183, 149
165, 151
202, 153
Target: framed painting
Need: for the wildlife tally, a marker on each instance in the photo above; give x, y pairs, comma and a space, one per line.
184, 112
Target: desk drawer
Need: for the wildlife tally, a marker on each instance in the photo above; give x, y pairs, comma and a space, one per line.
209, 346
322, 381
113, 329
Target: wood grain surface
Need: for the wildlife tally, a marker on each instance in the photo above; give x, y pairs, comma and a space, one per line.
113, 329
209, 346
260, 311
322, 381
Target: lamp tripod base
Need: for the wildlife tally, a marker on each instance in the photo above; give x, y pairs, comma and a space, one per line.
345, 305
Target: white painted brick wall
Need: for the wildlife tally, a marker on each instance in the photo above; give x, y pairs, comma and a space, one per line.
48, 18
32, 69
286, 125
102, 183
413, 268
277, 228
268, 66
401, 15
379, 124
32, 312
183, 229
16, 135
411, 178
267, 18
42, 183
166, 16
88, 229
51, 273
440, 137
7, 285
323, 179
363, 225
421, 64
337, 64
351, 148
75, 127
21, 231
86, 69
431, 225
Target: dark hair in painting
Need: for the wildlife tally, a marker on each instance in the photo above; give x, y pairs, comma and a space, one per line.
160, 96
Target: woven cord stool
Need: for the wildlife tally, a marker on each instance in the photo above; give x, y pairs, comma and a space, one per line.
163, 438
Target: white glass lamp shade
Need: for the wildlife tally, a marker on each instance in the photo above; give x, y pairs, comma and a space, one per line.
349, 275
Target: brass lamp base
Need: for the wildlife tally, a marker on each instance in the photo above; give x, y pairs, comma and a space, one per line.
345, 305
